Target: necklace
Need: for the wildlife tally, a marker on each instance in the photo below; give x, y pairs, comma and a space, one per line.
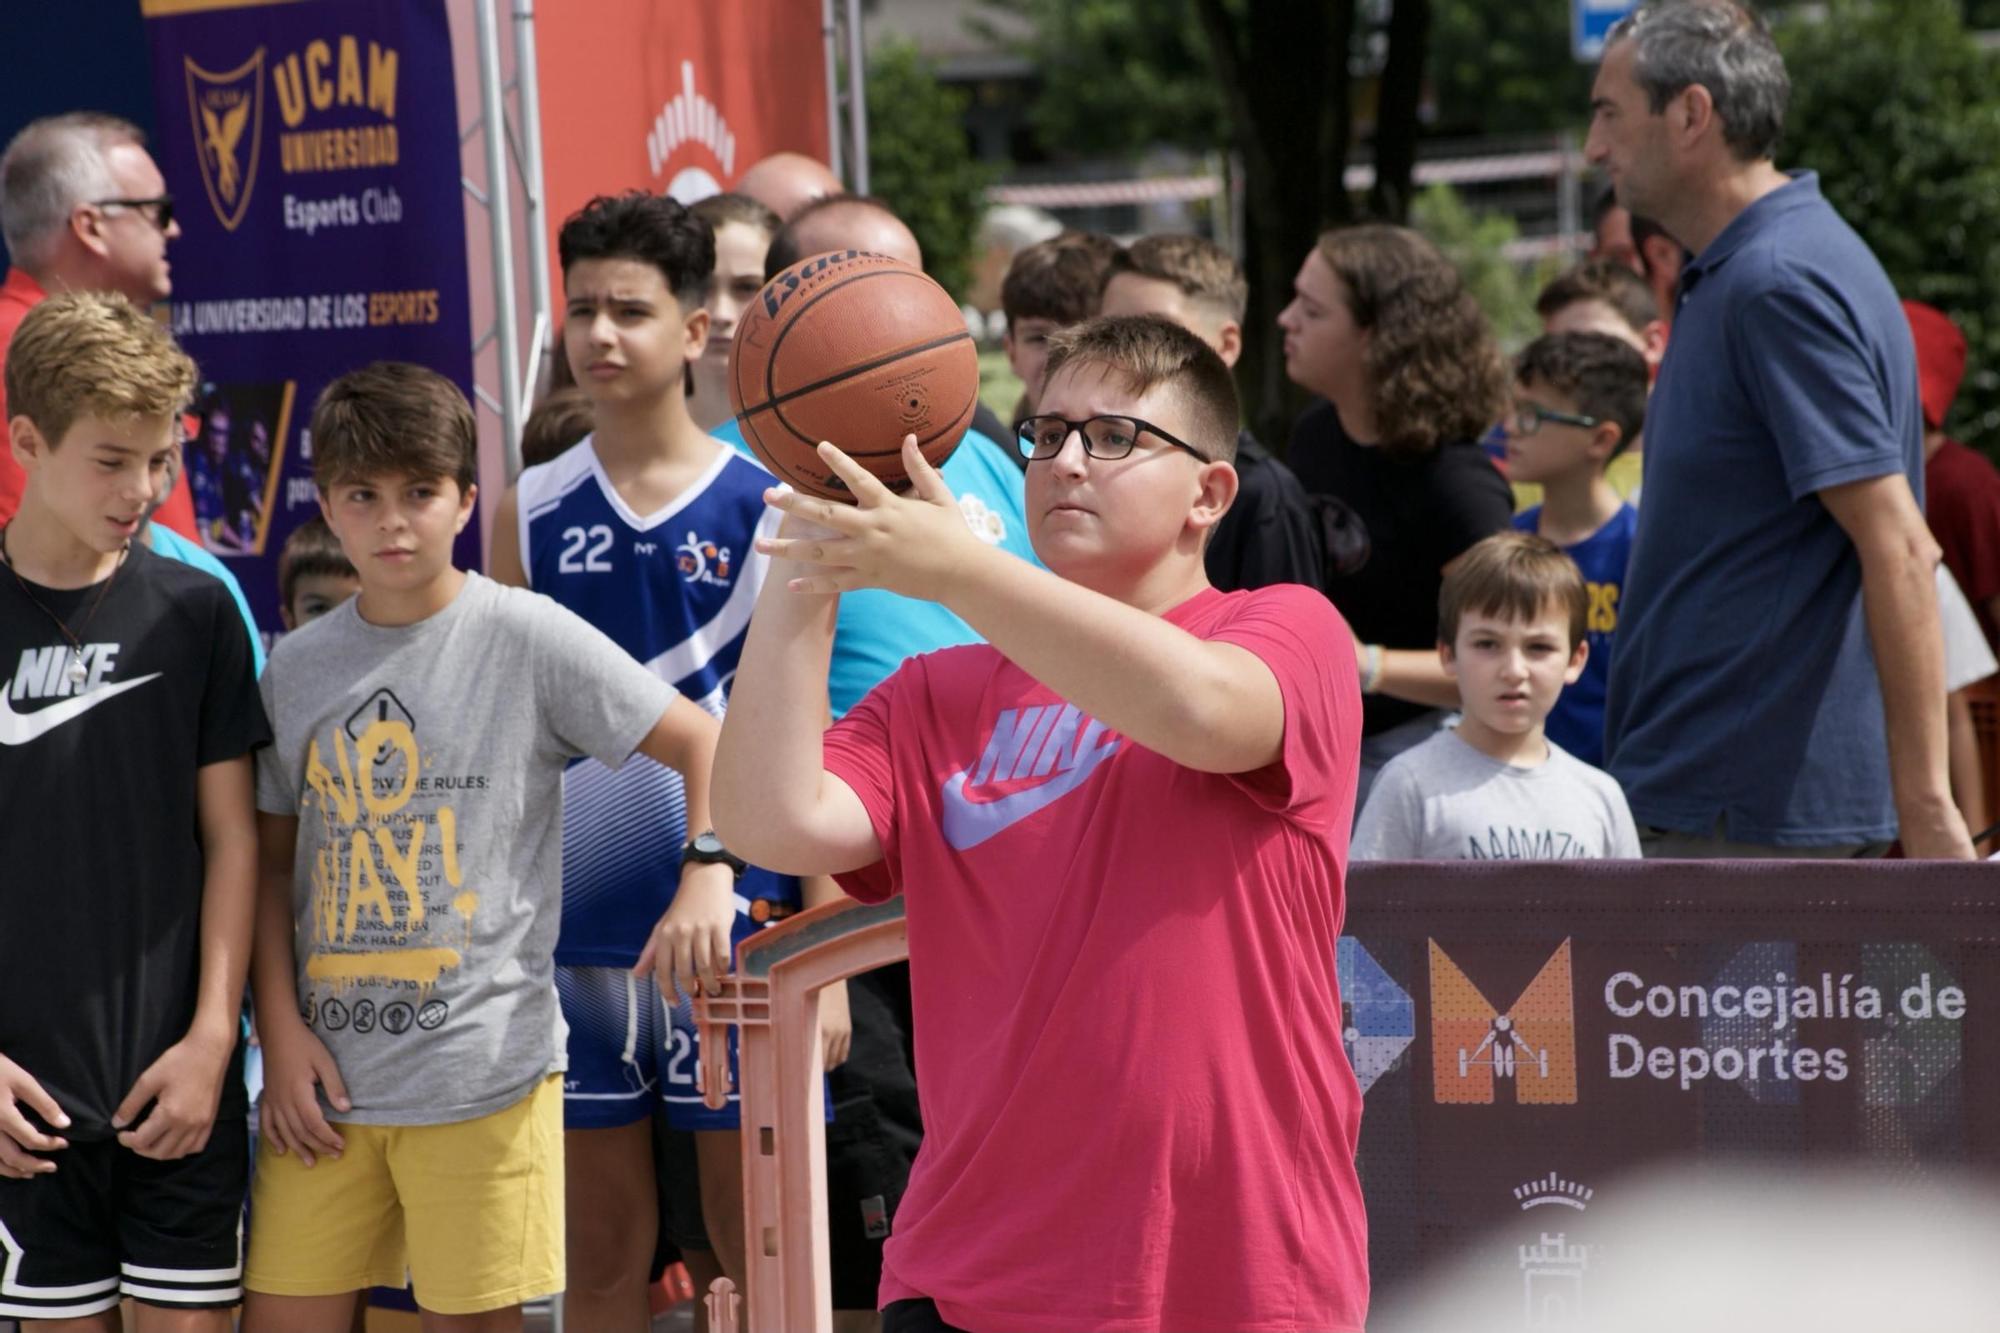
78, 672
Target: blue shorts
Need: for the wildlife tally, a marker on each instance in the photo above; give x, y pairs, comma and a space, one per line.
615, 1022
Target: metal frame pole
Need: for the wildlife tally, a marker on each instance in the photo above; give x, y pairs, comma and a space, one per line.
857, 97
499, 215
830, 35
528, 96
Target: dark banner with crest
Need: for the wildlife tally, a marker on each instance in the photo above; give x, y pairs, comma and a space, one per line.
312, 148
1529, 1036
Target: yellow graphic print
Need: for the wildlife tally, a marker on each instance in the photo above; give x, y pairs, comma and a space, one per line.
1603, 608
385, 845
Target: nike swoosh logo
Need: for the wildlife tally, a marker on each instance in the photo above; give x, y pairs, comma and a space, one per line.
20, 728
967, 823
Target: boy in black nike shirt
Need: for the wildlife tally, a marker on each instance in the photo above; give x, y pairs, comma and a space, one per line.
128, 711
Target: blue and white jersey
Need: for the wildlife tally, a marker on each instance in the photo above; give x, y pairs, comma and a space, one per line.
675, 589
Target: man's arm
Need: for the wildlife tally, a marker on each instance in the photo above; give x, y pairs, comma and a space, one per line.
1899, 597
1209, 706
775, 803
185, 1083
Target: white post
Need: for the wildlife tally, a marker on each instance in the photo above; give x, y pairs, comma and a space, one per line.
857, 97
528, 94
499, 216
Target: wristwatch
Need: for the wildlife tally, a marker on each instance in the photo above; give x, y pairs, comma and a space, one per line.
707, 849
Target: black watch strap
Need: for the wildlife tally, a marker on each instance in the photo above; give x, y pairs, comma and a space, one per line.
707, 849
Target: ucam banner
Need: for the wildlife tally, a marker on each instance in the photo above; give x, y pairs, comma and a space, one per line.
1531, 1037
674, 96
312, 148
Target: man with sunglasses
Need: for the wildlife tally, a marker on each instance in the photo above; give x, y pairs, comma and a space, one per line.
83, 207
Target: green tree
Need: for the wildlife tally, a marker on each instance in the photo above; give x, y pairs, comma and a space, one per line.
1505, 69
1898, 110
1476, 243
920, 161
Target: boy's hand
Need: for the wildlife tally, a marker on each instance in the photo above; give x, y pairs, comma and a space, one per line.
184, 1086
915, 544
689, 949
836, 1024
295, 1062
19, 1139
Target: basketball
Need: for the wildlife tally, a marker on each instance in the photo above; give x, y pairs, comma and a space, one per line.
859, 349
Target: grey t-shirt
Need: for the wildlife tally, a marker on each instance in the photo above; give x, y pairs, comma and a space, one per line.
424, 764
1446, 801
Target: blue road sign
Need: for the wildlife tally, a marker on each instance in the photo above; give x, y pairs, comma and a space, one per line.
1590, 21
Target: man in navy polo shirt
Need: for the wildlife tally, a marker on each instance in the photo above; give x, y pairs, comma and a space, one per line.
1779, 684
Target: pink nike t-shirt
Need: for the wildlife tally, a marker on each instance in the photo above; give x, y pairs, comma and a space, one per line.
1137, 1110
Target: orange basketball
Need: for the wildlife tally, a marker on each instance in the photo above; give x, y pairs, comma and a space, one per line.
859, 349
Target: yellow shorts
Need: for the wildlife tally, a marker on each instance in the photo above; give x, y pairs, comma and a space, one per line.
472, 1211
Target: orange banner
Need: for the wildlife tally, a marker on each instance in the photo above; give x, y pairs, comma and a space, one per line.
674, 95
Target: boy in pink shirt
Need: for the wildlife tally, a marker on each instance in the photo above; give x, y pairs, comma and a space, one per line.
1121, 825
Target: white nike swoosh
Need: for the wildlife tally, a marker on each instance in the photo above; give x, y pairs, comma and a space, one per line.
20, 728
968, 823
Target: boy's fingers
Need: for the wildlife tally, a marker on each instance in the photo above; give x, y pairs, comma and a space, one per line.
924, 478
18, 1164
644, 967
135, 1101
39, 1101
863, 484
15, 1126
147, 1138
811, 508
336, 1088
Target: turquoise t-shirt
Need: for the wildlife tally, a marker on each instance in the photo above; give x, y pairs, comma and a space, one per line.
878, 630
167, 542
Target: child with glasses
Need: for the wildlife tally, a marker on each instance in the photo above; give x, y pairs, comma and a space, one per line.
1579, 400
1120, 826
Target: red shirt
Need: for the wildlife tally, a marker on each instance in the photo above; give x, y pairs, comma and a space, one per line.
1138, 1113
1962, 502
18, 295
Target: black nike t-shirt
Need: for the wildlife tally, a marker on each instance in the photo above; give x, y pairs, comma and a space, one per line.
100, 845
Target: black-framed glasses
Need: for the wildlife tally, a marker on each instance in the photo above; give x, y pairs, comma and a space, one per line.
1528, 419
1106, 438
159, 210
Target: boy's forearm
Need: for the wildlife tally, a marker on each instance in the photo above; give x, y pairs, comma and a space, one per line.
1198, 703
273, 963
769, 763
228, 900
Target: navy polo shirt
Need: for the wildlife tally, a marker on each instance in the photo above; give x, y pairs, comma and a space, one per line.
1744, 688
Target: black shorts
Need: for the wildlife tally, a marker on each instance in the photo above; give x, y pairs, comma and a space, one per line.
915, 1316
874, 1136
108, 1223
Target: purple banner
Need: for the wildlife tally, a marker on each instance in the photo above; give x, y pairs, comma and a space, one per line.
312, 149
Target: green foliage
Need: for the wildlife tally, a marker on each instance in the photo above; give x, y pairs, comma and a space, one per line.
1476, 243
1899, 111
1505, 68
1119, 76
920, 160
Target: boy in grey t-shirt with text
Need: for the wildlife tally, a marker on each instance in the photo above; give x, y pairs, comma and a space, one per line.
1511, 621
410, 822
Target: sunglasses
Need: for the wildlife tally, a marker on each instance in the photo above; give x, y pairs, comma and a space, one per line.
1528, 419
158, 210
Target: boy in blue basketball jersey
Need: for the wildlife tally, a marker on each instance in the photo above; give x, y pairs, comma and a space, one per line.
645, 529
1579, 400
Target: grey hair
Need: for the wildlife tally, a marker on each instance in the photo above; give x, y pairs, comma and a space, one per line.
1721, 46
52, 166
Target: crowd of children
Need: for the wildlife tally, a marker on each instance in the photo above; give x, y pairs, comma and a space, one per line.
475, 842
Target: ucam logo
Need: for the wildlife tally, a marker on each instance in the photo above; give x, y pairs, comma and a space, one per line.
703, 561
228, 114
1532, 1043
689, 119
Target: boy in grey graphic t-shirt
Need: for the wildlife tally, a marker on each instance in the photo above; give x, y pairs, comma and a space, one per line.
410, 819
1511, 619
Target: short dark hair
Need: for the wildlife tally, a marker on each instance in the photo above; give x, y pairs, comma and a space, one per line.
1513, 575
1602, 280
312, 551
393, 418
648, 228
558, 422
1145, 352
786, 248
1061, 279
1604, 376
1203, 270
722, 210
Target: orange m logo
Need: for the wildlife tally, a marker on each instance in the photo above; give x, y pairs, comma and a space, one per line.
1533, 1043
